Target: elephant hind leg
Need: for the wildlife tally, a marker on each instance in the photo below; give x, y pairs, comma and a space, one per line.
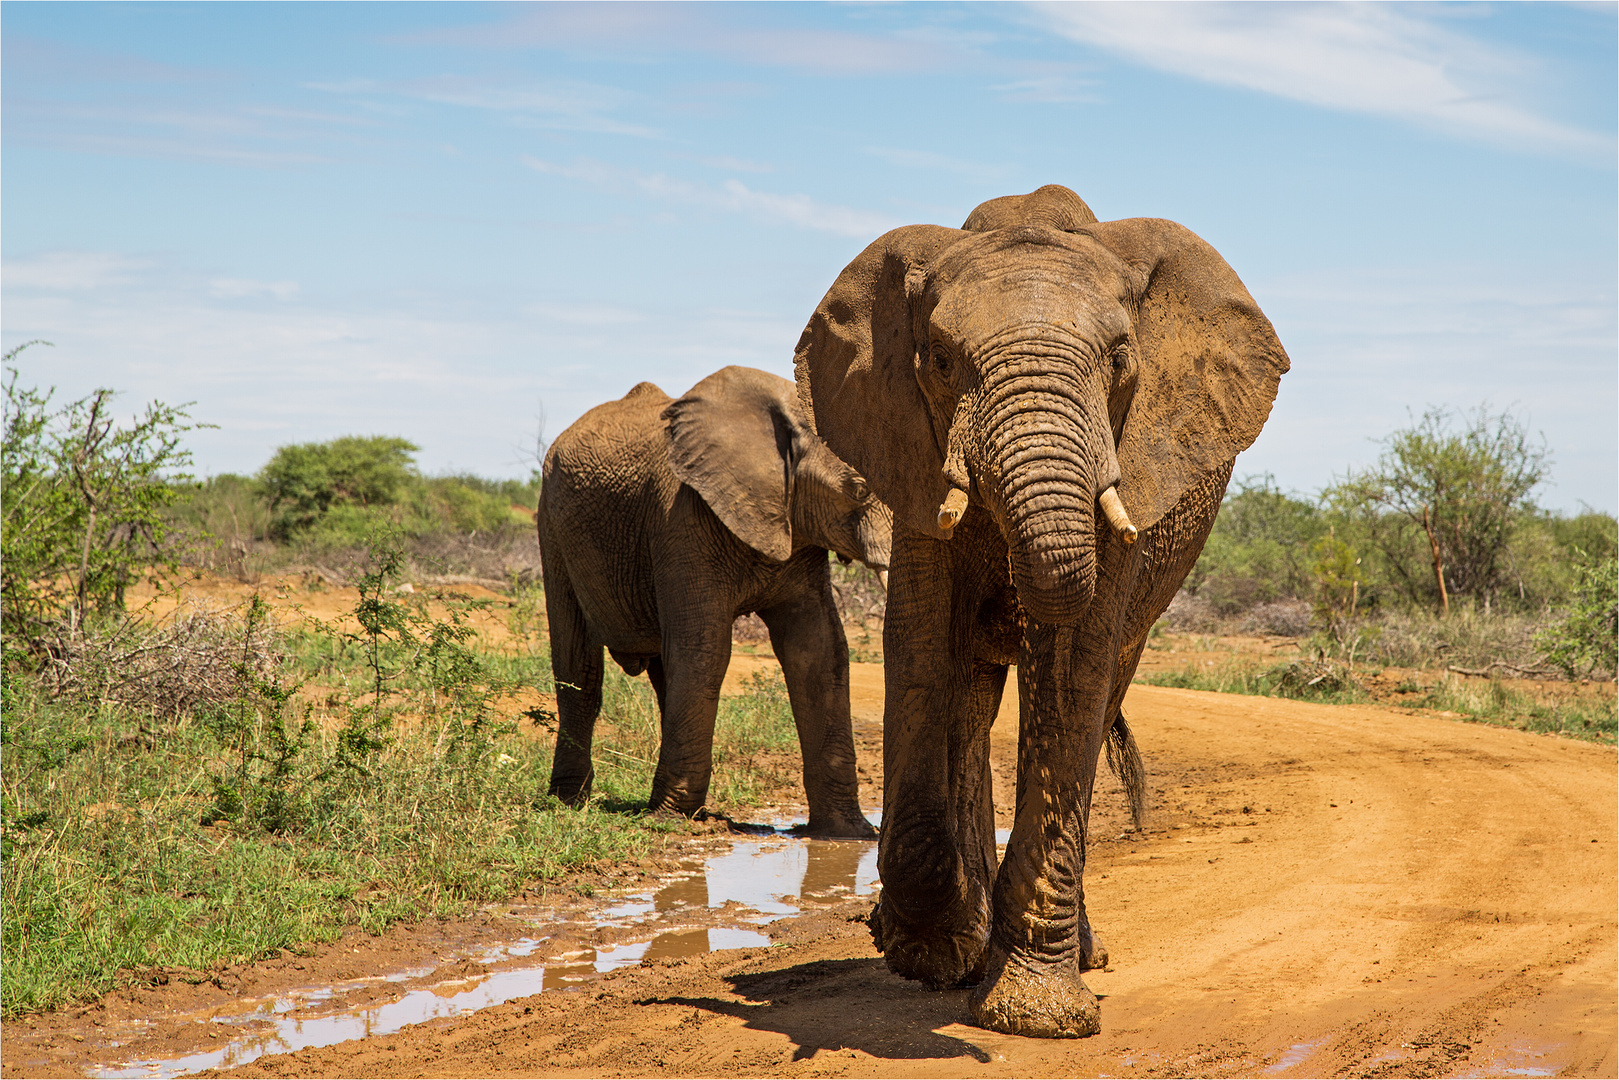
576, 664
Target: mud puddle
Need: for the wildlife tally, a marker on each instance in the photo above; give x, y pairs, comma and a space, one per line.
723, 901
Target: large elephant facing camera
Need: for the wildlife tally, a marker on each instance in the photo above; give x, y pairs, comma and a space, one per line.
660, 522
1051, 406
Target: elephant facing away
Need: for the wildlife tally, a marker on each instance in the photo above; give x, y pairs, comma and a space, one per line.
1051, 406
662, 521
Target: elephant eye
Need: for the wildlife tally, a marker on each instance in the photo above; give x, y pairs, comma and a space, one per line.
858, 491
941, 358
1120, 356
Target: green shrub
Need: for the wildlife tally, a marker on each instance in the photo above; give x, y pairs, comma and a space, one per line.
1258, 550
304, 481
1586, 638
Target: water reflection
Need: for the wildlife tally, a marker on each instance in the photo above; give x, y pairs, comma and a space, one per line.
767, 879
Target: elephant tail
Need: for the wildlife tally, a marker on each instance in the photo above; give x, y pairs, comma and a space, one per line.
1124, 759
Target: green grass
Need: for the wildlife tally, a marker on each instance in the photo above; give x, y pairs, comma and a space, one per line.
1594, 718
282, 818
753, 736
108, 869
1301, 680
1590, 717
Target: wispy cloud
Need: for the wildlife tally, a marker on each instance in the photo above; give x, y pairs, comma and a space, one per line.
660, 28
1365, 58
1049, 89
555, 104
732, 196
242, 288
246, 135
70, 271
928, 161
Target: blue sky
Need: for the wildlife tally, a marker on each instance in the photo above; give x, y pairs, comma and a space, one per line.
445, 221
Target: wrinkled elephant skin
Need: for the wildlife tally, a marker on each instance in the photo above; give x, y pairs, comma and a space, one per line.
993, 383
662, 521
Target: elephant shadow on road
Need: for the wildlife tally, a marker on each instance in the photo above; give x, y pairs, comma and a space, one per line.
845, 1005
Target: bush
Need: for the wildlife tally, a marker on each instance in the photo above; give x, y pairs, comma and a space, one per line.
1257, 551
82, 502
1585, 640
304, 481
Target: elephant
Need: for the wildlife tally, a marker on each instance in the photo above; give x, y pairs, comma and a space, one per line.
662, 521
1051, 406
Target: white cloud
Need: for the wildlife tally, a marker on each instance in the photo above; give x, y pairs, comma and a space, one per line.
732, 196
1362, 58
238, 288
70, 271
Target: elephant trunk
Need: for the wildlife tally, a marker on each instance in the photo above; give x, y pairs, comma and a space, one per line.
1045, 458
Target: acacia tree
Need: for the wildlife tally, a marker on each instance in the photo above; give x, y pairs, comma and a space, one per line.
81, 500
1441, 501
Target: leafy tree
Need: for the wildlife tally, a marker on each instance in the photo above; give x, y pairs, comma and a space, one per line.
1259, 547
81, 504
1441, 502
305, 480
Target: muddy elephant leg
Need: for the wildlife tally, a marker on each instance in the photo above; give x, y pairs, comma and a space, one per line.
814, 655
937, 853
1041, 939
576, 664
696, 651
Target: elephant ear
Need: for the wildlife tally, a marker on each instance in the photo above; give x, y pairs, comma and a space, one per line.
1209, 363
1053, 206
732, 438
856, 366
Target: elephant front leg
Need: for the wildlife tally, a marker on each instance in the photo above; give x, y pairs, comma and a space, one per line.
937, 852
814, 655
1041, 939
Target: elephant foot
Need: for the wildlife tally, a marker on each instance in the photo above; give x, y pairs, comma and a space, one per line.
1037, 1002
846, 824
678, 798
938, 959
572, 790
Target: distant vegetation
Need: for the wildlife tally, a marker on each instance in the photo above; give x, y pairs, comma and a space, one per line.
1442, 526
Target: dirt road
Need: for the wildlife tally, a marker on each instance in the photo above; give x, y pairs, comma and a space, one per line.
1323, 890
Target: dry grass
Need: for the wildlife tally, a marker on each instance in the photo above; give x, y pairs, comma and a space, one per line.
198, 656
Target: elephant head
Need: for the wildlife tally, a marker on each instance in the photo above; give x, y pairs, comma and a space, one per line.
1033, 365
740, 441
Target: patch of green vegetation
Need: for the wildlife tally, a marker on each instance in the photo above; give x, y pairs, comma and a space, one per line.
1303, 680
109, 869
351, 779
1594, 718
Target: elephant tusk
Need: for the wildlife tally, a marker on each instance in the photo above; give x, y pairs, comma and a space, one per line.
882, 576
1117, 515
950, 511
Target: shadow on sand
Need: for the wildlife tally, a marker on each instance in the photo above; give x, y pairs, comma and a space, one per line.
845, 1004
